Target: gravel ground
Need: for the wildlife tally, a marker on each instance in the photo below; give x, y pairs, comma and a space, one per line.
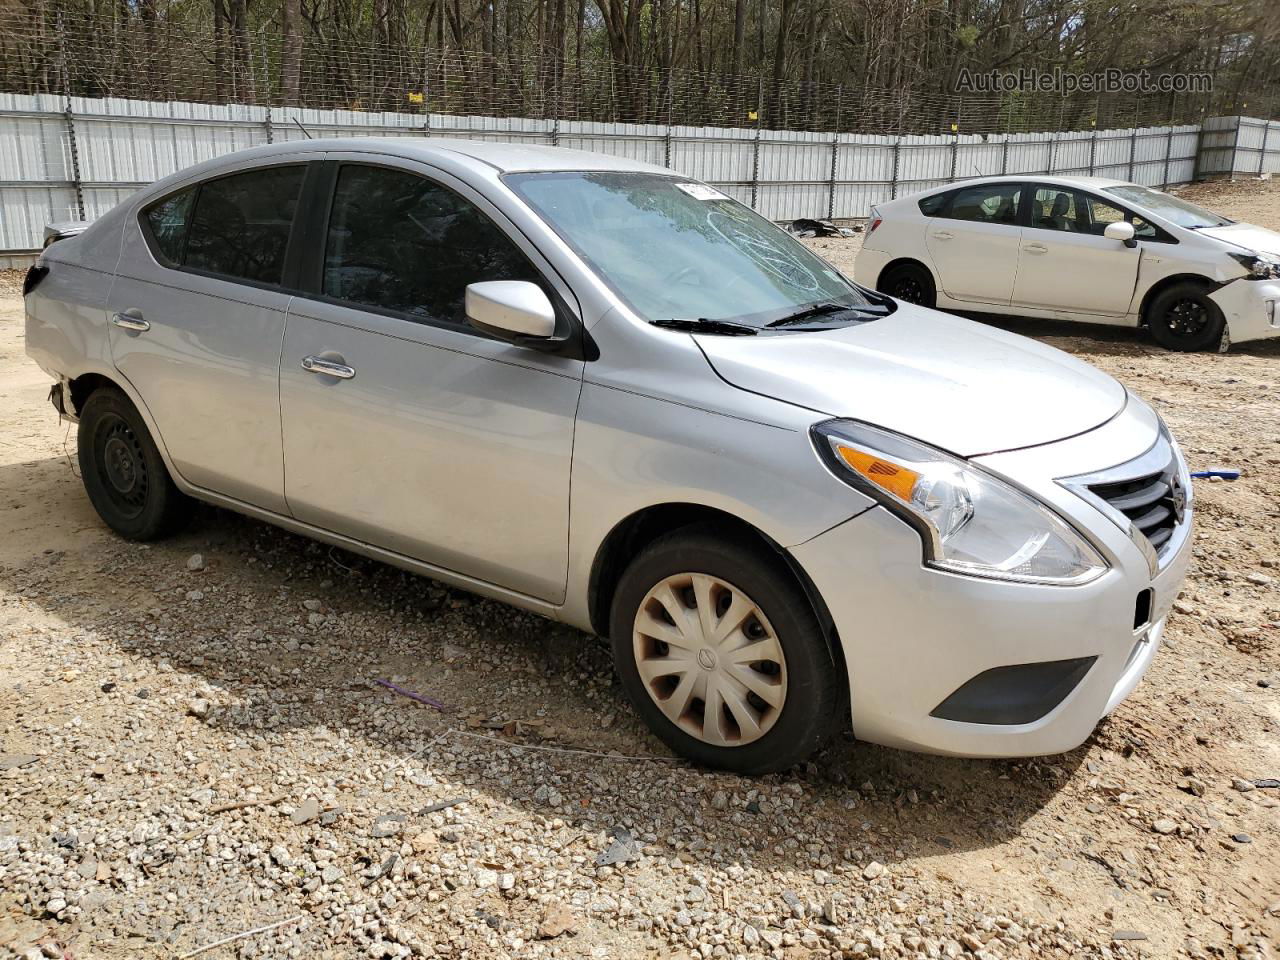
193, 746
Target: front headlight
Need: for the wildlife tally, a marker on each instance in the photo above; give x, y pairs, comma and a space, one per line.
970, 521
1261, 266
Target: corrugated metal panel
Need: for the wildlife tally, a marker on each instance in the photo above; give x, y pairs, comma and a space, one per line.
122, 144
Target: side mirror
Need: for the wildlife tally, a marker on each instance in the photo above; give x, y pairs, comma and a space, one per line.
510, 309
1120, 231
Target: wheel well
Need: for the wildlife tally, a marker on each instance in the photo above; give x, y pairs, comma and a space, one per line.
1164, 284
83, 386
903, 262
637, 531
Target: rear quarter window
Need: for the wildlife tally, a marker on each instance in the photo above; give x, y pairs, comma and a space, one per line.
167, 221
934, 205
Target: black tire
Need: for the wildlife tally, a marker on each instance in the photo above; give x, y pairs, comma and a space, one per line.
910, 283
813, 704
1183, 318
123, 472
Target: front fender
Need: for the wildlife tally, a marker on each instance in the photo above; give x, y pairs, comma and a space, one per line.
1250, 308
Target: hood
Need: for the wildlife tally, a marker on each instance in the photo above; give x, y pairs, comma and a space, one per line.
956, 384
1246, 235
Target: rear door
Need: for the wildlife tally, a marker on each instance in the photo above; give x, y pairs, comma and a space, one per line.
437, 442
974, 241
198, 308
1065, 263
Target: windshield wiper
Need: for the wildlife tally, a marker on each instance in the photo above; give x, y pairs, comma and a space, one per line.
822, 309
703, 325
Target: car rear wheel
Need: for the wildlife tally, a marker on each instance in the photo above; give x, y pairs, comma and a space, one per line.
720, 653
1184, 318
909, 282
123, 472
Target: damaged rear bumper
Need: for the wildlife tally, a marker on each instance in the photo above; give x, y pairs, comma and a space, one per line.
1251, 308
60, 397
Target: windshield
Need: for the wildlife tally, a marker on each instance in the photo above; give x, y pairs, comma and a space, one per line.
676, 250
1172, 208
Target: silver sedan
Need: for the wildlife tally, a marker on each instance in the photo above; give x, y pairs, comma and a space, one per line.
610, 394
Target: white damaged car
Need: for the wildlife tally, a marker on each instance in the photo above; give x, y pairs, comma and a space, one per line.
1078, 248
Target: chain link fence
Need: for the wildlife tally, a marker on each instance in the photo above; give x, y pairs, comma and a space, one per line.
156, 58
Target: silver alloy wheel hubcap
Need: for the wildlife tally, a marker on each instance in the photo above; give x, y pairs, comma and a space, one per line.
710, 659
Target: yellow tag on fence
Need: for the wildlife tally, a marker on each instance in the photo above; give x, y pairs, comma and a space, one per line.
415, 97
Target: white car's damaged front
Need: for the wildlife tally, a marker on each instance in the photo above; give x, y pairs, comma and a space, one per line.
1242, 259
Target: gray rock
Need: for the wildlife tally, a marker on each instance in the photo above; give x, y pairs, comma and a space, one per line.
623, 849
195, 562
388, 825
307, 811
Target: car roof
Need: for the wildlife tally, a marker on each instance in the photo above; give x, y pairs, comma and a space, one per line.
503, 157
1091, 183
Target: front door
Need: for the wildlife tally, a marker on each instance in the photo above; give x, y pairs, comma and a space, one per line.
198, 312
433, 440
974, 243
1065, 263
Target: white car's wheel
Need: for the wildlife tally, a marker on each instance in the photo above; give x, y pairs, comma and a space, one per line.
909, 282
1182, 317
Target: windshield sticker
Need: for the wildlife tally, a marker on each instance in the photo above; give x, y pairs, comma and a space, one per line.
700, 191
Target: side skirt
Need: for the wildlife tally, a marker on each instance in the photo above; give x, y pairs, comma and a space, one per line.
449, 577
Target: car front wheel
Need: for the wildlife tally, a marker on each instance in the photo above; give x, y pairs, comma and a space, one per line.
1183, 318
123, 472
721, 654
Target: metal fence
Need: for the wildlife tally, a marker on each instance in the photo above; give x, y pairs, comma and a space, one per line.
75, 159
1239, 146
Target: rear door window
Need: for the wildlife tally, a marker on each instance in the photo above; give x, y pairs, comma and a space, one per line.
241, 223
988, 203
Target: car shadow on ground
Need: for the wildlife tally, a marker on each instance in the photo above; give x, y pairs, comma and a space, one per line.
252, 638
1104, 339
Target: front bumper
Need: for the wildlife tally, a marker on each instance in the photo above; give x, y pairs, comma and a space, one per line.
913, 636
1251, 308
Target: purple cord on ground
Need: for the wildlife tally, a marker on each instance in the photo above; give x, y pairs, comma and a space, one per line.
420, 697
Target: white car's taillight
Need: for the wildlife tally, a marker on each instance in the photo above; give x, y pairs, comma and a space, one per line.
874, 221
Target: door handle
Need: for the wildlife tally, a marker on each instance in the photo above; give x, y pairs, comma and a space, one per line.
942, 235
328, 368
130, 320
1036, 248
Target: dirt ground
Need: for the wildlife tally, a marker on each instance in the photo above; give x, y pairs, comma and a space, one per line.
140, 696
